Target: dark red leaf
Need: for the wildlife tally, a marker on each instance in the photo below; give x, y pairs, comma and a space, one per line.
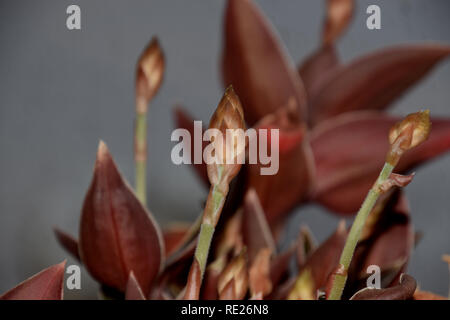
346, 168
69, 243
280, 192
45, 285
256, 231
256, 65
133, 290
324, 260
375, 80
117, 234
173, 238
403, 291
317, 69
185, 121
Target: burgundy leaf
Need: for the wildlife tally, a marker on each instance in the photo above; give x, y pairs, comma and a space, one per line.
279, 267
173, 238
45, 285
133, 290
375, 80
346, 168
306, 244
387, 242
324, 260
280, 192
256, 231
69, 243
317, 69
185, 121
255, 63
117, 234
403, 291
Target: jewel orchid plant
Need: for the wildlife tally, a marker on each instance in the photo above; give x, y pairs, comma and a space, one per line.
327, 112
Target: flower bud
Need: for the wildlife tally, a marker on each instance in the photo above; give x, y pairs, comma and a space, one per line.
228, 146
149, 74
407, 134
235, 274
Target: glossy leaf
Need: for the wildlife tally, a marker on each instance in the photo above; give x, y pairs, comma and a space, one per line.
46, 285
255, 63
117, 234
133, 290
376, 80
346, 168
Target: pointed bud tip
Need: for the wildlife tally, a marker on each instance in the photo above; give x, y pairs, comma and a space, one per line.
102, 150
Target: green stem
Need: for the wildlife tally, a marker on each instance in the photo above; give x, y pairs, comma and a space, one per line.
355, 232
141, 157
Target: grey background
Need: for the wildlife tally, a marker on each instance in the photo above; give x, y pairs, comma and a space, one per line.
61, 91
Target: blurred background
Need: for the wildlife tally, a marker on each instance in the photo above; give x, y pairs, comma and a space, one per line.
61, 91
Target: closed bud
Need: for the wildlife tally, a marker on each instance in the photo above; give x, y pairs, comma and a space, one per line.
149, 74
407, 134
228, 143
235, 274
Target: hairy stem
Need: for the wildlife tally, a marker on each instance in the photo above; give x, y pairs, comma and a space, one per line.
355, 232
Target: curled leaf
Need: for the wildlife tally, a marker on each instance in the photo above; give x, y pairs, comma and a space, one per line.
403, 291
117, 234
306, 244
256, 65
45, 285
396, 180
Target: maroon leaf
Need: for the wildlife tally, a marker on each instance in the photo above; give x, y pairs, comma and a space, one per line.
306, 244
45, 285
280, 192
403, 291
375, 80
173, 238
185, 121
256, 231
280, 265
256, 65
387, 242
324, 260
69, 243
133, 290
346, 168
317, 69
117, 234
